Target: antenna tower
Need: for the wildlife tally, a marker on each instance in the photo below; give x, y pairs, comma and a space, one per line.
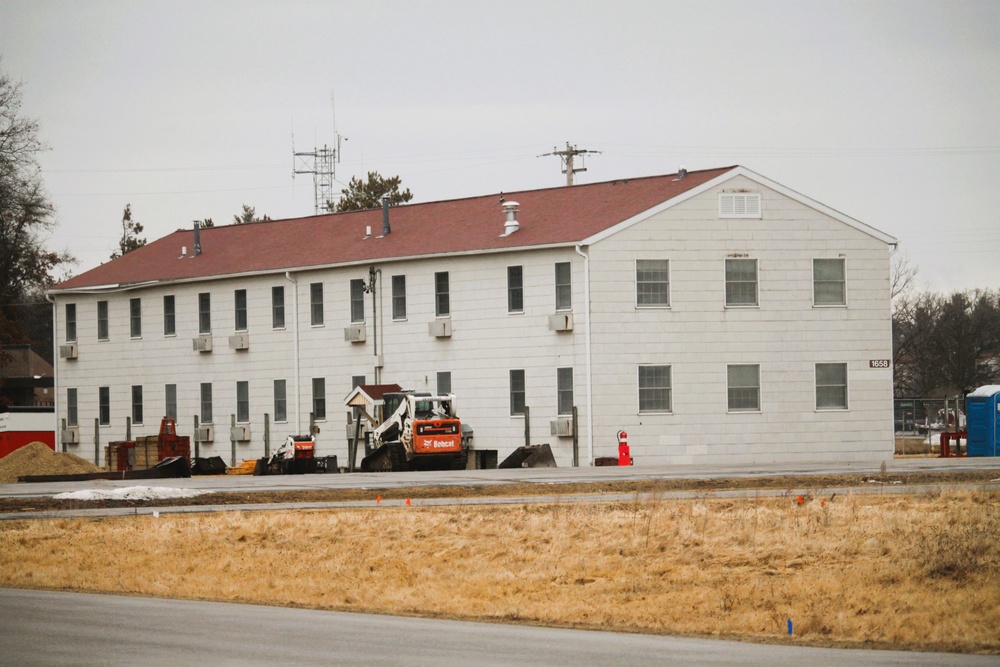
321, 163
567, 157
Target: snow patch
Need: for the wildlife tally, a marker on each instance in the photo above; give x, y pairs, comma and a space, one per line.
129, 493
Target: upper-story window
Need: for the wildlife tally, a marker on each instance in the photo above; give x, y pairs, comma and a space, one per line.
240, 308
357, 300
442, 302
652, 283
829, 282
741, 282
739, 205
564, 286
135, 317
515, 289
316, 304
205, 313
102, 320
169, 316
399, 297
70, 322
278, 307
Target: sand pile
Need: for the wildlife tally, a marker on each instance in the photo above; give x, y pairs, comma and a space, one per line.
37, 459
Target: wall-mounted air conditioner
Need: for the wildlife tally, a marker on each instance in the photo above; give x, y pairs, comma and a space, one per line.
440, 328
355, 333
71, 435
240, 433
202, 343
561, 322
204, 433
68, 351
240, 341
562, 427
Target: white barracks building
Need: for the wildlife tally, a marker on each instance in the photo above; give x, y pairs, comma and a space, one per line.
716, 316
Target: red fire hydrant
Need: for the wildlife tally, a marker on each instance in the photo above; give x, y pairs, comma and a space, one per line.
624, 457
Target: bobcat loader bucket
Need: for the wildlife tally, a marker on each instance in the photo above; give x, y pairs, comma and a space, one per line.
530, 456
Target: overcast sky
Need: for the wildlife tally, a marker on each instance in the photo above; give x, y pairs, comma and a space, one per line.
886, 111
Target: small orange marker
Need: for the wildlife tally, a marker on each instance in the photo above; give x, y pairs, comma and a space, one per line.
822, 502
378, 500
408, 502
799, 500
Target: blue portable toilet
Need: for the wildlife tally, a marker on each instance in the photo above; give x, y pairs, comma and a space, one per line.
982, 420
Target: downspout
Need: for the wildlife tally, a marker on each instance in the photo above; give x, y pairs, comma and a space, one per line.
586, 338
295, 345
55, 373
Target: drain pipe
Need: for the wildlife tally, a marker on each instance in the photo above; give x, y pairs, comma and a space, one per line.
586, 335
55, 373
295, 338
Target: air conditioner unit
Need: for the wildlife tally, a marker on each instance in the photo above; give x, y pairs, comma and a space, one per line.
204, 433
202, 343
67, 351
355, 333
440, 328
240, 433
71, 435
240, 341
561, 322
562, 427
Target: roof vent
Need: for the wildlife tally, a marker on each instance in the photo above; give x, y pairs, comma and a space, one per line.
682, 172
386, 230
511, 225
197, 239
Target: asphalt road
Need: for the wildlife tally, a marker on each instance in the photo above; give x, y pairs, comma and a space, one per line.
54, 628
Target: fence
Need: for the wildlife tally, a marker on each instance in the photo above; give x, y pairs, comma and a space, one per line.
920, 421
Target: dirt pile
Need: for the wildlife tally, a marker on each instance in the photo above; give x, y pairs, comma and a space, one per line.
37, 459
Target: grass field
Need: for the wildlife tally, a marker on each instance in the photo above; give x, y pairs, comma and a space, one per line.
902, 571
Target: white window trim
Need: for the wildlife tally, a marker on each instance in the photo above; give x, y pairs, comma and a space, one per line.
635, 284
638, 403
847, 368
760, 394
812, 285
748, 196
742, 306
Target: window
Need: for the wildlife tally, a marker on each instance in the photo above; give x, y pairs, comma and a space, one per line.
357, 381
136, 404
739, 205
243, 402
72, 415
240, 306
515, 290
319, 399
829, 283
654, 389
316, 304
170, 403
399, 297
135, 318
444, 382
278, 307
564, 286
206, 402
652, 282
70, 322
517, 392
741, 282
831, 386
169, 316
564, 382
280, 402
441, 305
102, 320
357, 300
744, 387
104, 405
205, 313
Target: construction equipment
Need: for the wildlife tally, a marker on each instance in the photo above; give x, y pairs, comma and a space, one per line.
422, 432
296, 456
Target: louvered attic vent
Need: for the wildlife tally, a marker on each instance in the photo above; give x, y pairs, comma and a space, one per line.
739, 205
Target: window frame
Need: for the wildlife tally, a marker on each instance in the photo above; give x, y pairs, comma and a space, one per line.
846, 387
564, 286
650, 389
442, 294
639, 292
135, 317
103, 321
170, 401
733, 283
280, 401
204, 312
316, 315
564, 377
169, 315
70, 322
443, 382
242, 402
399, 297
205, 408
518, 393
515, 289
732, 391
137, 415
72, 406
104, 406
319, 399
842, 303
277, 306
241, 318
357, 301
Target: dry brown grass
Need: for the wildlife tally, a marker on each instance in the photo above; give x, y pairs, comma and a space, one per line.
915, 571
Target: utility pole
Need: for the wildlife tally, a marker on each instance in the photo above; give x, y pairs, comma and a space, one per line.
566, 156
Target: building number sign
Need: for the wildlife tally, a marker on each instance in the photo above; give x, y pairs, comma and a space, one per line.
878, 363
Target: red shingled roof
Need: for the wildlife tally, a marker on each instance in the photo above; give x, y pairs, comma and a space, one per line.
547, 217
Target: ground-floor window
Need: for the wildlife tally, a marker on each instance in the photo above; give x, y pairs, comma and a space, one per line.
654, 389
744, 387
831, 386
